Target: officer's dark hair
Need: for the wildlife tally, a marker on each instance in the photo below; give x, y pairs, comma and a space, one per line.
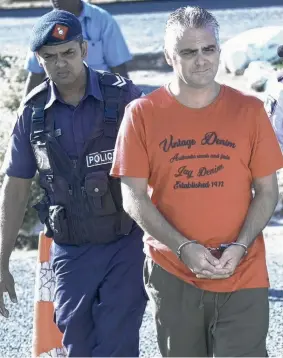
188, 17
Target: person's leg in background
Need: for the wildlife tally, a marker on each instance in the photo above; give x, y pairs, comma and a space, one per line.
99, 297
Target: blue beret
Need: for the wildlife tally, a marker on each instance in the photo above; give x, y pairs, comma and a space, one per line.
54, 28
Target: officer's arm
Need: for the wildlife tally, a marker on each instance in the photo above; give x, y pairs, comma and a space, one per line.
33, 80
138, 205
121, 69
13, 200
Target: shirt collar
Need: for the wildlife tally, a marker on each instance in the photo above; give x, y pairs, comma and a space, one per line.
85, 11
92, 89
52, 95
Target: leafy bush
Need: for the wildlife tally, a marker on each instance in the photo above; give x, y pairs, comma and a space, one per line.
27, 238
12, 83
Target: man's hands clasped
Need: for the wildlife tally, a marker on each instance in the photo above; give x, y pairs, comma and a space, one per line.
201, 262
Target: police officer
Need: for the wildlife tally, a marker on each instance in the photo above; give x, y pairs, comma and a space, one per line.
274, 100
67, 130
107, 49
273, 105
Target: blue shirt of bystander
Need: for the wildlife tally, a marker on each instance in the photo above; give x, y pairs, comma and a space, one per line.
106, 45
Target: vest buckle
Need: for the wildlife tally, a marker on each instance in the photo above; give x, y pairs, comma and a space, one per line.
49, 178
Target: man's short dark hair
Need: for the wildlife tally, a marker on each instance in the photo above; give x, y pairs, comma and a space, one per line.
189, 17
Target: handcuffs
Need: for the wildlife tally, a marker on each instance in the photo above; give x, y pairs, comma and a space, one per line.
218, 251
215, 251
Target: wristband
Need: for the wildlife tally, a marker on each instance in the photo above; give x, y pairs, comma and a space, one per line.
240, 244
182, 245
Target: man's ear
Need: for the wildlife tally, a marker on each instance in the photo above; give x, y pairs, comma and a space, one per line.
38, 59
84, 49
167, 57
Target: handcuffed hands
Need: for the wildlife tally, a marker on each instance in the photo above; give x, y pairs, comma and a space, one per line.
201, 262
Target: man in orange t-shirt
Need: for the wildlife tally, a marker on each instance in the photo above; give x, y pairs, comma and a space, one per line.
200, 147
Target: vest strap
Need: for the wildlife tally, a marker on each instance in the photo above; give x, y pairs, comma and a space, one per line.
112, 93
38, 135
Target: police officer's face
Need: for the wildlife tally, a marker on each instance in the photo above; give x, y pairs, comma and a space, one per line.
67, 5
194, 57
63, 63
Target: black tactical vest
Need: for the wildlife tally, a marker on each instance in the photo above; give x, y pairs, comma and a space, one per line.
82, 203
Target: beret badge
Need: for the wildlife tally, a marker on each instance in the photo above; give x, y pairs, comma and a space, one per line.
60, 32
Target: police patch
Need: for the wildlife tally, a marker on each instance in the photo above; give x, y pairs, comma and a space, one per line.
100, 158
270, 105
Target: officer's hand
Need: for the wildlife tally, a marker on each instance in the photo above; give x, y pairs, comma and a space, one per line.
7, 284
202, 263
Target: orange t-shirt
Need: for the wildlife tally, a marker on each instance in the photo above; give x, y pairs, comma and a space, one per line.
200, 164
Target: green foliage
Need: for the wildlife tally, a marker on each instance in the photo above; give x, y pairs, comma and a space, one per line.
13, 78
5, 62
12, 102
278, 63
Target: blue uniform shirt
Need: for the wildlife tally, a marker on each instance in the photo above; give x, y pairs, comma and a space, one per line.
106, 45
75, 124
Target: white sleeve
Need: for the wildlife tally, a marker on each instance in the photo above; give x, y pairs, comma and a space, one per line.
274, 108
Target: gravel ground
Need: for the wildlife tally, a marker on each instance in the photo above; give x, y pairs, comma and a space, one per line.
16, 333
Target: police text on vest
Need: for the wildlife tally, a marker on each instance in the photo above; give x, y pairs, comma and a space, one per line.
99, 158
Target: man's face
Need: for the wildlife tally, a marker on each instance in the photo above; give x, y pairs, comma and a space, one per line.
67, 5
63, 63
195, 57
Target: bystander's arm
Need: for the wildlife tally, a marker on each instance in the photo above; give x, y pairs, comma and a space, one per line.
121, 69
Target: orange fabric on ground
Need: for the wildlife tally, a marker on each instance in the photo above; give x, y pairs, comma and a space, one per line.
44, 246
46, 334
200, 164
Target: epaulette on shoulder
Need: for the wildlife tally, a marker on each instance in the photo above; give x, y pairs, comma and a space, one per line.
114, 79
35, 92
